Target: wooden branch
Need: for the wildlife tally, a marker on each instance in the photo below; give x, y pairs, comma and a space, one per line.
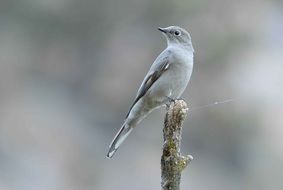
172, 162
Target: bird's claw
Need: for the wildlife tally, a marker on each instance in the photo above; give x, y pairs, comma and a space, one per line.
169, 101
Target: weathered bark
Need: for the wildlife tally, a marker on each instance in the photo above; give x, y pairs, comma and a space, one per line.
172, 162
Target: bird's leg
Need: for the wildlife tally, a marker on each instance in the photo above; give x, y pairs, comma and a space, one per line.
169, 101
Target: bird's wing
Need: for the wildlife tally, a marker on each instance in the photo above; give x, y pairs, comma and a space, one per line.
154, 73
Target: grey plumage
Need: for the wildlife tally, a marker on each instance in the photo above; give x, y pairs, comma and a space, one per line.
166, 79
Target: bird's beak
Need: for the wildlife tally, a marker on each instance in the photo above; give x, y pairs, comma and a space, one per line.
164, 30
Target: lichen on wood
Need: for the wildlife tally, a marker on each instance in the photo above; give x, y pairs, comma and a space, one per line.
172, 162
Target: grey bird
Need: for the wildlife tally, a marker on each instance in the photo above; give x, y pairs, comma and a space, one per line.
166, 80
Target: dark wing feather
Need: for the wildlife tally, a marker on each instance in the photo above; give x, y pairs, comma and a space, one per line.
149, 81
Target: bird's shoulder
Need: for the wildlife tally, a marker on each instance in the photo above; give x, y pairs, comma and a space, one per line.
164, 57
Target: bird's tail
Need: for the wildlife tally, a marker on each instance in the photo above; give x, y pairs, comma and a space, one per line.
119, 139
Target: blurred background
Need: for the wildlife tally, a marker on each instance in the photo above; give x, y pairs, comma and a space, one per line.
69, 71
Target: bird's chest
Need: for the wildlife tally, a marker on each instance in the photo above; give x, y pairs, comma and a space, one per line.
181, 67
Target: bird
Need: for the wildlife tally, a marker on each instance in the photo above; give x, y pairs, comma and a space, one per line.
165, 81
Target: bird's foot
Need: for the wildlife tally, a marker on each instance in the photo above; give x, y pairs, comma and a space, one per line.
169, 101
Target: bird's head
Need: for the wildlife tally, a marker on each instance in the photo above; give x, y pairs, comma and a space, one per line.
176, 35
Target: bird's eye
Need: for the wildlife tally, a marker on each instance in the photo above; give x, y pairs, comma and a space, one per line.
177, 33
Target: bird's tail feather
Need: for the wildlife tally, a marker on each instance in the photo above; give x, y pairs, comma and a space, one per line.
122, 134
